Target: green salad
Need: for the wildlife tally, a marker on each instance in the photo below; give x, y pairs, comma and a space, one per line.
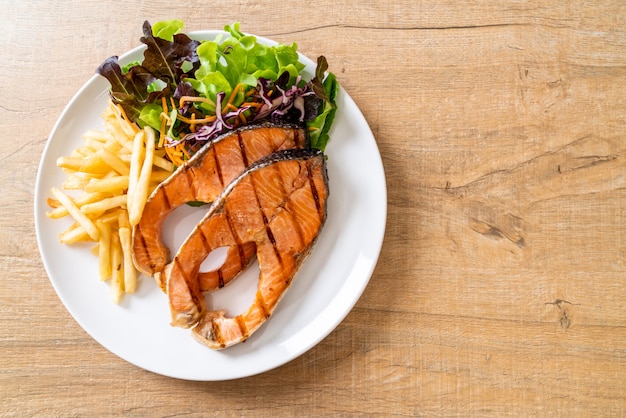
193, 91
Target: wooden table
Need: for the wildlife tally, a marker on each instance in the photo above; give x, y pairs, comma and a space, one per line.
501, 286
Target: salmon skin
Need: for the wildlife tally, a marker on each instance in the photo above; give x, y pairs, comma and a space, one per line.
202, 179
278, 204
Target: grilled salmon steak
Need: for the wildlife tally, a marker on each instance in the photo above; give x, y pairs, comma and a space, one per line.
278, 205
202, 179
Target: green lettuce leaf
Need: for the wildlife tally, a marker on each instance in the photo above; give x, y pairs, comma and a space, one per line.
241, 59
327, 90
164, 59
166, 29
133, 87
174, 66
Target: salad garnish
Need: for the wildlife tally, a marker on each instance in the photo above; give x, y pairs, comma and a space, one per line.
192, 91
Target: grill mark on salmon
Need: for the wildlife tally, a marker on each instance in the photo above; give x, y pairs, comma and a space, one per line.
203, 178
263, 307
218, 169
297, 228
270, 236
242, 147
268, 229
280, 247
242, 327
238, 257
166, 201
297, 137
316, 197
216, 333
240, 249
191, 184
142, 239
205, 241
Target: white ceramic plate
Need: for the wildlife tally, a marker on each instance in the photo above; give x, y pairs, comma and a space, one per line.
325, 289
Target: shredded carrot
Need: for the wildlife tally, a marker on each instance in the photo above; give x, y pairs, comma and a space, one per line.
174, 155
196, 121
233, 95
178, 154
231, 107
174, 158
162, 133
185, 99
183, 150
125, 117
252, 104
165, 116
164, 119
192, 125
166, 110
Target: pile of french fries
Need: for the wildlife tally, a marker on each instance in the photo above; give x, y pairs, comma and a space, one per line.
108, 181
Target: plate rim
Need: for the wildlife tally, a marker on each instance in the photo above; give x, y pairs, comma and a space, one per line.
39, 204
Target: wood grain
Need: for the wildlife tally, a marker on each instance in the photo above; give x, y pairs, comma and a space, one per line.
501, 285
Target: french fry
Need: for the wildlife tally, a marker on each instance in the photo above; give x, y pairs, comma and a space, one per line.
116, 170
75, 212
117, 269
159, 176
113, 161
126, 157
129, 129
161, 162
122, 219
78, 154
92, 145
97, 136
130, 273
111, 216
75, 182
104, 250
73, 234
99, 207
135, 169
125, 143
53, 203
60, 211
112, 126
140, 194
113, 185
91, 165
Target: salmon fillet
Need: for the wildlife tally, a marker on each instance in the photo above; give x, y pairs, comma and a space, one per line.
278, 205
202, 179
